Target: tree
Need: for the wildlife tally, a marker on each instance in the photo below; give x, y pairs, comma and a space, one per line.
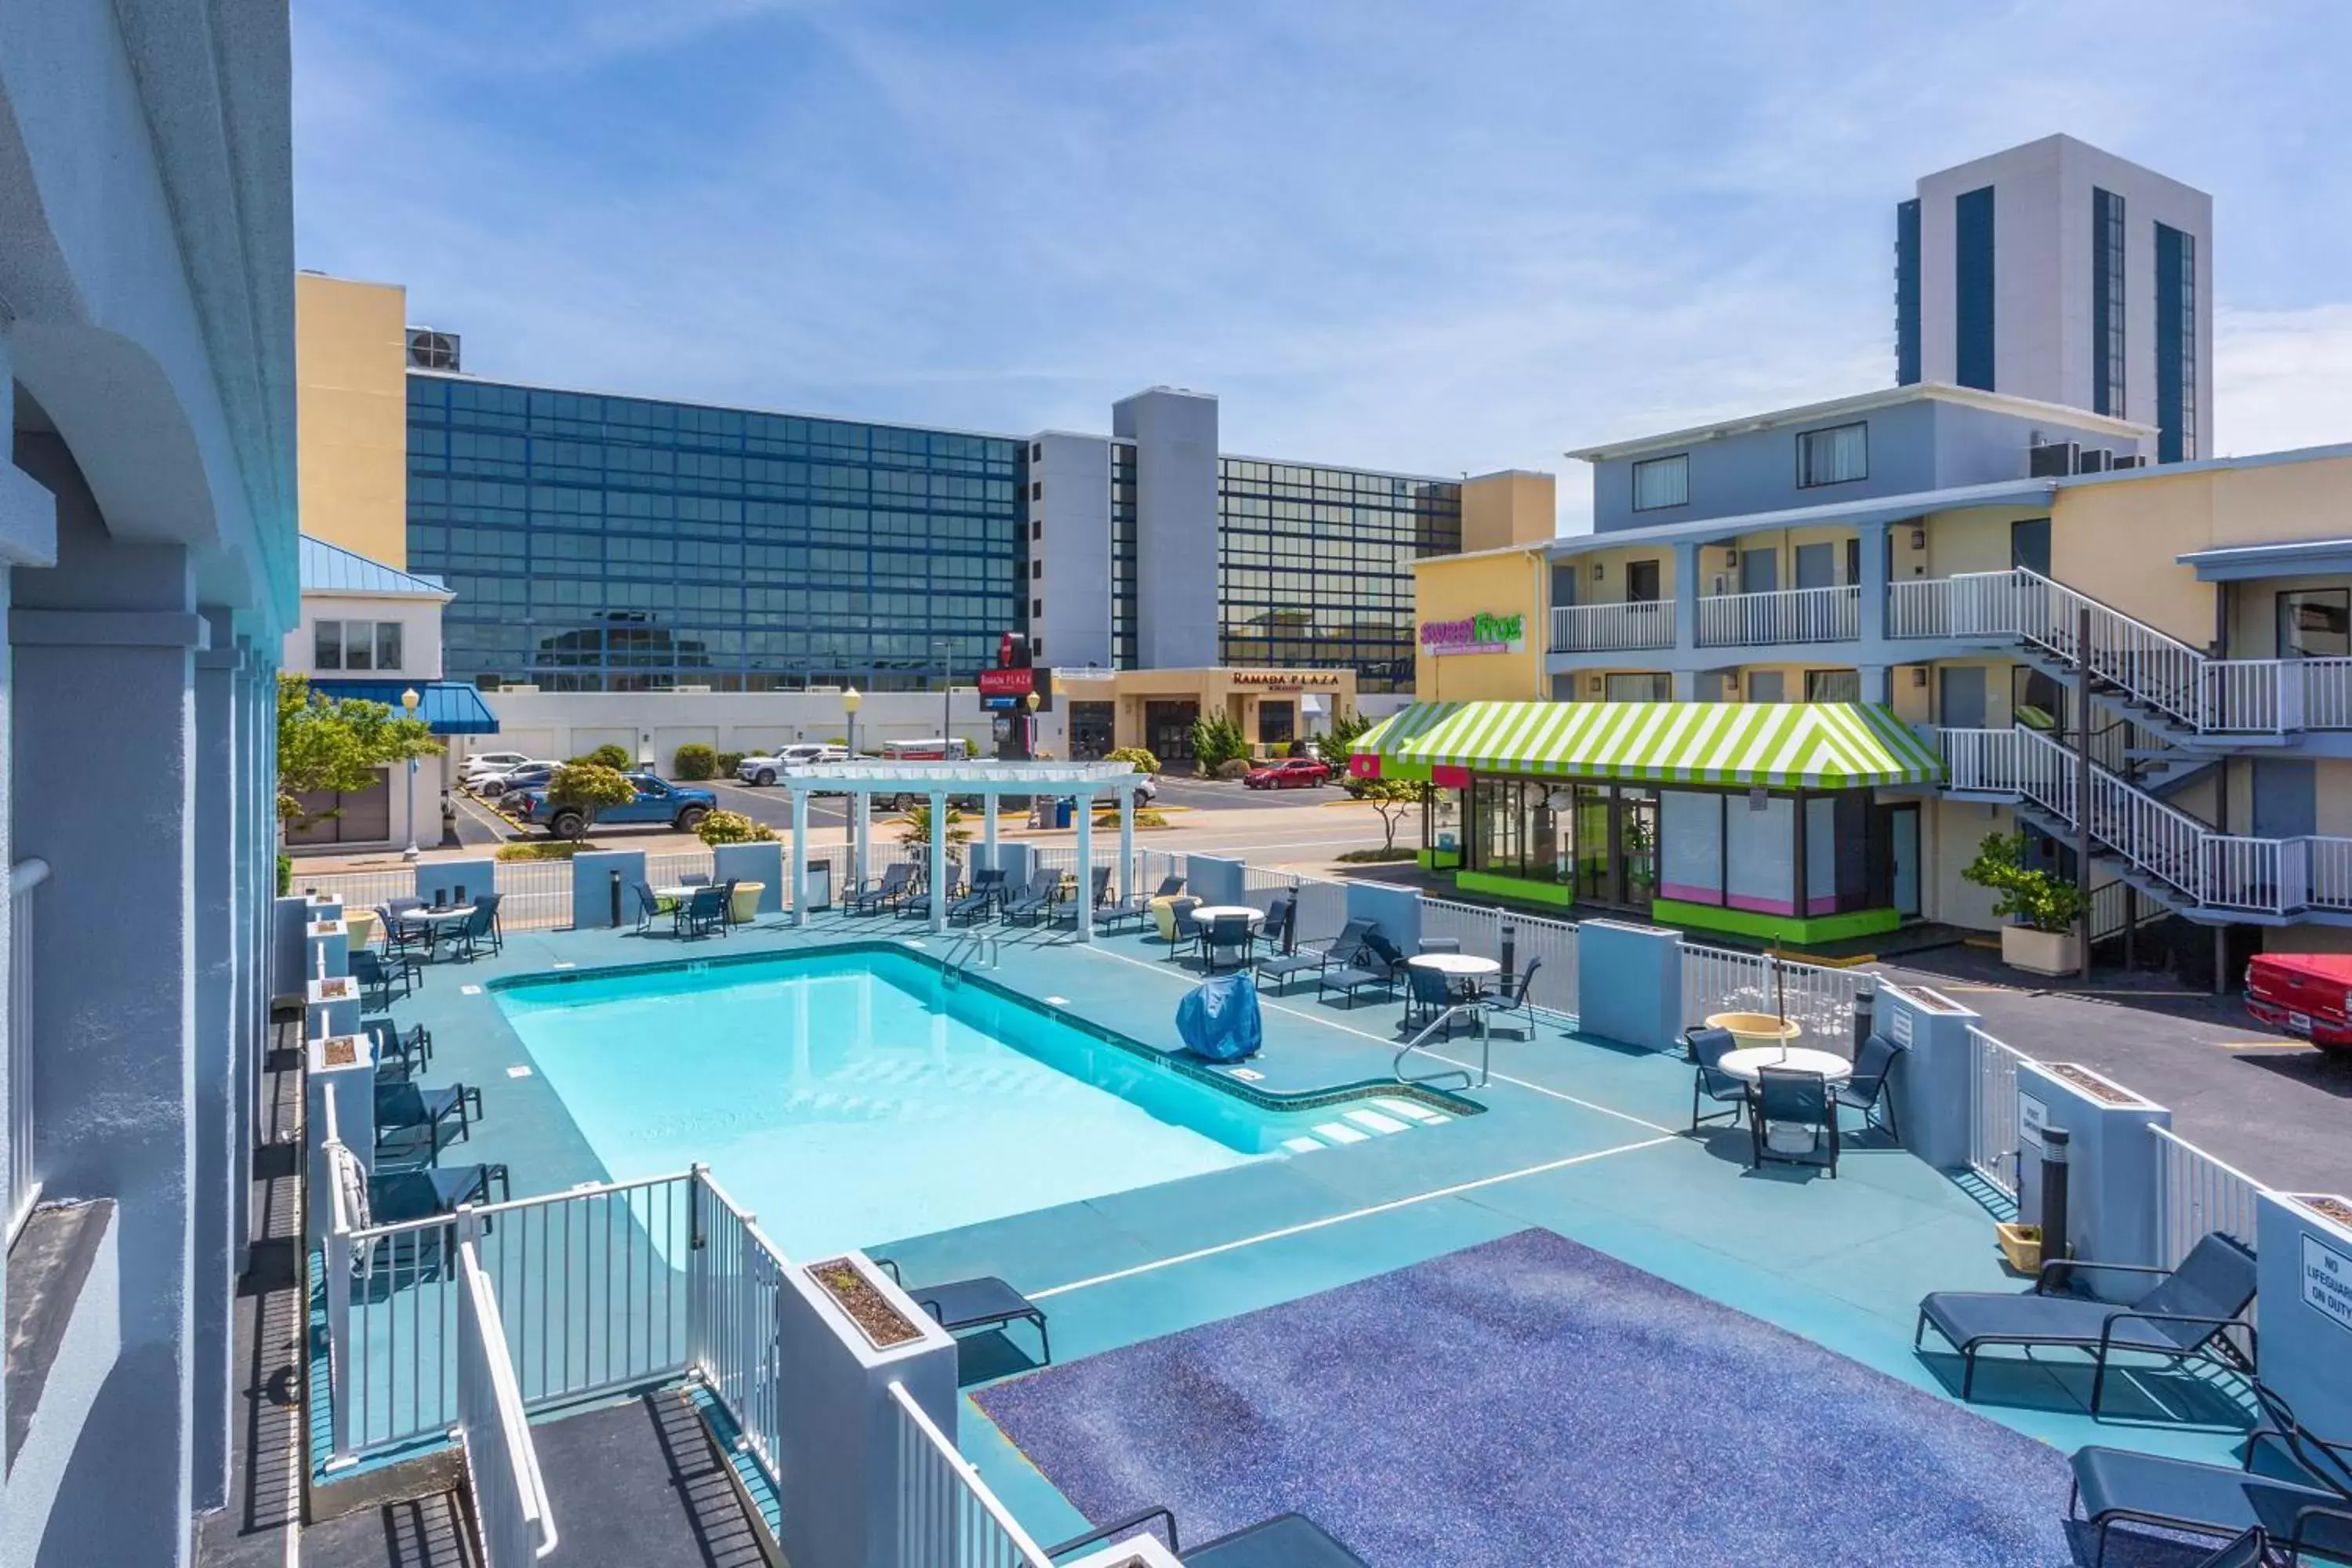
2043, 902
732, 827
1390, 798
1145, 762
1335, 744
1216, 741
609, 755
327, 746
585, 788
915, 832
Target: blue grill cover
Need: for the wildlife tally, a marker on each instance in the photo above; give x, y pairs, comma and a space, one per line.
1219, 1019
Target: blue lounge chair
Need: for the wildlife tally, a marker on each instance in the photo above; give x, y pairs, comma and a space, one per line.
2251, 1550
1367, 965
2186, 1315
1287, 1540
1276, 970
468, 936
397, 1196
409, 1118
986, 1302
1787, 1100
375, 973
1273, 933
412, 1051
897, 879
1867, 1090
1708, 1047
1036, 900
986, 887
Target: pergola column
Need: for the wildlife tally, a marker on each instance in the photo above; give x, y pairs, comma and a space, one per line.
800, 855
988, 802
1126, 844
939, 861
1086, 804
861, 808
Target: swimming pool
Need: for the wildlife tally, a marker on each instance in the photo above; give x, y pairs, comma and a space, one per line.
854, 1098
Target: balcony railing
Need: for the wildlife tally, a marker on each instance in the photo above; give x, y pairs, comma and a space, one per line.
1608, 629
24, 1173
1785, 615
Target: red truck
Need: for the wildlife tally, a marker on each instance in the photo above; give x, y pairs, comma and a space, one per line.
2306, 995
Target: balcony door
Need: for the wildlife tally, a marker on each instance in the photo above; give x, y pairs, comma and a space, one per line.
1640, 581
1759, 571
1817, 565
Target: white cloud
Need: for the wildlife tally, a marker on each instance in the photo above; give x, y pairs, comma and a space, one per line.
2283, 378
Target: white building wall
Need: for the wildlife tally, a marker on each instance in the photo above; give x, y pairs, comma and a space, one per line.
651, 725
1175, 437
420, 634
1070, 545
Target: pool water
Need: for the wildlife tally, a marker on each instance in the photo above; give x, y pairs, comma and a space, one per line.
857, 1099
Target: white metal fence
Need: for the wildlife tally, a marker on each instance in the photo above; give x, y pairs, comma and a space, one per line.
1818, 1000
1992, 1111
948, 1517
511, 1516
2200, 1193
1548, 945
1781, 615
1598, 628
737, 1274
24, 1171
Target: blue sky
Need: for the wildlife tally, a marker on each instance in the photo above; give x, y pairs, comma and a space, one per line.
1437, 238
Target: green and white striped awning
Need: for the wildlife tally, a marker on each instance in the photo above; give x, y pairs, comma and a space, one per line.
1817, 745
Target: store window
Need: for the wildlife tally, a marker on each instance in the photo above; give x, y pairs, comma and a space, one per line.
355, 645
1090, 730
1277, 722
2316, 623
1645, 687
1832, 686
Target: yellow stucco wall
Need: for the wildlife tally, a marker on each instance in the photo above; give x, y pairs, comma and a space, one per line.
351, 405
1516, 507
1449, 587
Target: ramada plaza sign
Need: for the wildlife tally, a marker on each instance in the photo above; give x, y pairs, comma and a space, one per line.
1475, 634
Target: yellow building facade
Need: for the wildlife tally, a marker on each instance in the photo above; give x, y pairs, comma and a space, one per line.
350, 366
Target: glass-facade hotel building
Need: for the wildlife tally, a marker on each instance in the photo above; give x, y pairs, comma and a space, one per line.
598, 543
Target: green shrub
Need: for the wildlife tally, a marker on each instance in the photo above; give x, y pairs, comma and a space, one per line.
1216, 741
608, 755
541, 850
1372, 856
1144, 818
1235, 768
733, 828
285, 875
1335, 744
694, 760
1145, 762
2041, 900
729, 762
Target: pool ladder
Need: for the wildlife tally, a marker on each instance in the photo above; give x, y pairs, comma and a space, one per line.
1445, 1021
973, 949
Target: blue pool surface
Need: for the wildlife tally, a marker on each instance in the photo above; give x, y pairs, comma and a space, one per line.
856, 1098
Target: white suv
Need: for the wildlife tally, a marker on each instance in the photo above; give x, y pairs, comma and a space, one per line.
767, 769
485, 762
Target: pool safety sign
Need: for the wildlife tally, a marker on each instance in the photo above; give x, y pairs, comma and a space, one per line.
2326, 1281
2032, 1116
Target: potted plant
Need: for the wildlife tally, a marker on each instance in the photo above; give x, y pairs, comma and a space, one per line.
2041, 909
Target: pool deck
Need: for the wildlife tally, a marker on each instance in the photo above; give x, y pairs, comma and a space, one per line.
1580, 1137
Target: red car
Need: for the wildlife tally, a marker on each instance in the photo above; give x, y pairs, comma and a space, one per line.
2307, 995
1290, 772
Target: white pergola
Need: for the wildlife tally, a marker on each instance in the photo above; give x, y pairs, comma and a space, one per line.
1085, 782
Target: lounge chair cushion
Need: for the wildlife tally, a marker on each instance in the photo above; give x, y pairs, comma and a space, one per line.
969, 1303
1962, 1316
1282, 968
2219, 1498
1350, 979
1288, 1541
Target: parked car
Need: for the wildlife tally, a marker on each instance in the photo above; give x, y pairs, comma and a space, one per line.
1148, 789
482, 764
681, 806
2307, 995
1290, 772
766, 770
490, 786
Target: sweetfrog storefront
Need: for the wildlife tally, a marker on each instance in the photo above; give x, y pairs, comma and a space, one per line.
1763, 820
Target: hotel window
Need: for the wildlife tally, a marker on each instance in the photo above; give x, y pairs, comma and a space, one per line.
1832, 686
1833, 456
2176, 345
2106, 303
1036, 489
1647, 687
355, 645
1972, 289
1662, 482
2315, 624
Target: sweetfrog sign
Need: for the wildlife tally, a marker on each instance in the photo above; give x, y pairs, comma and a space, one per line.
1475, 634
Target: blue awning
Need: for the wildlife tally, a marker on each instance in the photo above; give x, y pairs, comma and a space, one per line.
447, 707
2285, 558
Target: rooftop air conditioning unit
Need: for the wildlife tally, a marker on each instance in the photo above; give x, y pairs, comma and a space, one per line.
2051, 459
2096, 461
2128, 460
429, 350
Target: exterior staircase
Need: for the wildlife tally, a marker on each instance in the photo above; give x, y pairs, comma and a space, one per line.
2207, 876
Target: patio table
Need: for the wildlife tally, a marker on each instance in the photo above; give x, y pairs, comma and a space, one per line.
436, 920
1465, 972
1745, 1064
1205, 913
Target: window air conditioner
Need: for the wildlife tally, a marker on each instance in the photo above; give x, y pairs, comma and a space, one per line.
2095, 460
2051, 459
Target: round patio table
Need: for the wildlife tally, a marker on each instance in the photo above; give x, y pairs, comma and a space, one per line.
1204, 913
1744, 1064
1463, 972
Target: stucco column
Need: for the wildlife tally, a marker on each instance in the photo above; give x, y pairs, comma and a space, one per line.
1086, 813
861, 806
103, 647
1686, 567
1873, 537
213, 839
1877, 684
938, 873
252, 861
1127, 844
988, 803
800, 853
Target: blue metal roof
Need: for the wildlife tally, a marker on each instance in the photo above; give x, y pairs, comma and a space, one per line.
2285, 558
332, 569
448, 707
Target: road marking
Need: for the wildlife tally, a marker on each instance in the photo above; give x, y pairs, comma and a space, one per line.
1456, 1190
2265, 1046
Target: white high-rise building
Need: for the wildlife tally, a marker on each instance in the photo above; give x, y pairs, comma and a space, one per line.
2059, 272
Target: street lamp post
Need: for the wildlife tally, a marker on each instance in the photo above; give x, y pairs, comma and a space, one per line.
1029, 733
408, 700
852, 700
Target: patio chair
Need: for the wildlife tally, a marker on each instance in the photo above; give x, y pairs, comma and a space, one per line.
1428, 992
1867, 1090
1708, 1047
1276, 970
701, 913
1168, 886
1273, 933
1363, 967
1176, 927
694, 879
1035, 901
1788, 1102
896, 879
397, 1196
412, 1051
987, 887
2185, 1316
1382, 951
376, 972
2292, 1489
400, 936
986, 1302
1516, 998
408, 1115
482, 926
649, 907
1438, 944
1226, 933
1286, 1541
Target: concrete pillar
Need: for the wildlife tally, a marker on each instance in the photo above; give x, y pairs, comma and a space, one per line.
1873, 536
214, 842
1086, 816
938, 871
988, 830
103, 650
1126, 844
861, 836
1877, 683
800, 856
1686, 590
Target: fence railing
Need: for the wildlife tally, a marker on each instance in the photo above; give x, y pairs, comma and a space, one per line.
1992, 1111
1548, 945
2200, 1193
1600, 629
1818, 1000
948, 1517
1781, 616
511, 1516
737, 1274
24, 1169
2328, 693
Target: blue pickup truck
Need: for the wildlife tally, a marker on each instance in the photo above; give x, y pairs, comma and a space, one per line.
681, 806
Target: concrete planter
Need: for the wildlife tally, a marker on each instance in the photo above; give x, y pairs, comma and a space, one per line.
1934, 1076
1629, 984
2041, 951
2113, 1181
2303, 1247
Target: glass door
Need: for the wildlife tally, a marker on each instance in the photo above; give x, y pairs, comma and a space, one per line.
1637, 845
1595, 878
1905, 823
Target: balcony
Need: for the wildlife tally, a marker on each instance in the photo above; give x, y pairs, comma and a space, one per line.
1611, 628
1785, 615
